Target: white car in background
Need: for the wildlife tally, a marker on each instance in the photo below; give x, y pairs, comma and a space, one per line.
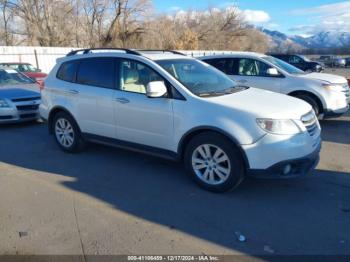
174, 106
328, 94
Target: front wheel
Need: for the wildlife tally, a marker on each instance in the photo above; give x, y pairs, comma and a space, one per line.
311, 101
214, 162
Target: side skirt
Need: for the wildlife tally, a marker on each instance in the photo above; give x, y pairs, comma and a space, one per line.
149, 150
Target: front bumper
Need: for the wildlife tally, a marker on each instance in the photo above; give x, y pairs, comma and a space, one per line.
12, 115
295, 167
328, 113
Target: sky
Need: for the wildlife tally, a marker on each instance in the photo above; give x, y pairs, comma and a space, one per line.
298, 17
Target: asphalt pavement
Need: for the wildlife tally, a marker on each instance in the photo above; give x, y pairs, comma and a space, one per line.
111, 201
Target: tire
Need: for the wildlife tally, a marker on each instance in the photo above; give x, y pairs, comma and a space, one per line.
311, 101
208, 172
67, 133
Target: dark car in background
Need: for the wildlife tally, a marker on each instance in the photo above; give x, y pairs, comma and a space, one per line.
27, 69
300, 62
19, 97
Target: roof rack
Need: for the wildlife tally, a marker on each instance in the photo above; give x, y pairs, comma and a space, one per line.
88, 50
161, 51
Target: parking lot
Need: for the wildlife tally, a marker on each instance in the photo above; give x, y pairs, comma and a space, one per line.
110, 201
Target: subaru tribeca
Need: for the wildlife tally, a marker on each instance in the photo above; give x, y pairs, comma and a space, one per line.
170, 105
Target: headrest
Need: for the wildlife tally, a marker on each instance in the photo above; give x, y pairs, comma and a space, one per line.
131, 76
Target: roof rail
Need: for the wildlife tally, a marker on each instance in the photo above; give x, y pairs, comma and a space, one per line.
88, 50
161, 51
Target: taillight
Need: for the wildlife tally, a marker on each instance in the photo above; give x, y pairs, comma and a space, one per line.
41, 84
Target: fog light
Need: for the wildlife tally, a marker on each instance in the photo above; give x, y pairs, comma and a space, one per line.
287, 169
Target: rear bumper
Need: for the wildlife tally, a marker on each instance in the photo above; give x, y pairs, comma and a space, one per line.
297, 167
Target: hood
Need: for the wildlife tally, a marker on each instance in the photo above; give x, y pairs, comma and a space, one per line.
316, 63
330, 79
265, 104
32, 87
13, 93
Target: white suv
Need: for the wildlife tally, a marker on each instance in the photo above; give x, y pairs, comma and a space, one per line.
173, 106
329, 95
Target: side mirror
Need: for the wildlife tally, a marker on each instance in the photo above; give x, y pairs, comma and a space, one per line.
156, 89
273, 72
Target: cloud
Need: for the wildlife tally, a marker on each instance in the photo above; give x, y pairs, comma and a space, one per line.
331, 17
255, 16
272, 25
174, 8
324, 9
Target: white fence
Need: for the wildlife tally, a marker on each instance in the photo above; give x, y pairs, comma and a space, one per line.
45, 57
41, 57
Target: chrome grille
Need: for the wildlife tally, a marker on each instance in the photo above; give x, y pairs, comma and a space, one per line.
27, 107
310, 122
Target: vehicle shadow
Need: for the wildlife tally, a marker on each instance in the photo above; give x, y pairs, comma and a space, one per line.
336, 131
265, 211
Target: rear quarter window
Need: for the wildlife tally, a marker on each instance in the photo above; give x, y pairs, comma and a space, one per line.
97, 72
67, 71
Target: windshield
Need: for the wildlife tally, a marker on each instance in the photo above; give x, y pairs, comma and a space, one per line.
305, 58
24, 67
283, 65
198, 77
12, 77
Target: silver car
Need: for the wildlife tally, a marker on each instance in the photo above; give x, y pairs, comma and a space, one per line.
19, 97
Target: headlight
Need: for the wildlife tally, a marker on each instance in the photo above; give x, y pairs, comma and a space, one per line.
337, 88
279, 126
3, 103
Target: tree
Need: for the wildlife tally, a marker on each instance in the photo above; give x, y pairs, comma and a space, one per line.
125, 23
6, 20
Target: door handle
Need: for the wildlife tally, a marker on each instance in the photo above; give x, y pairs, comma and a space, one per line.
122, 100
73, 92
243, 81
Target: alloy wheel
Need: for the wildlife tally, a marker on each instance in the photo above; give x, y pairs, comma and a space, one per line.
64, 132
211, 164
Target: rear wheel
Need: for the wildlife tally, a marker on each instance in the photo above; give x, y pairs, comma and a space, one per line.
67, 133
214, 162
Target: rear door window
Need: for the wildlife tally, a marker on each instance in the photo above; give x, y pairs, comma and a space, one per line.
295, 59
97, 72
218, 63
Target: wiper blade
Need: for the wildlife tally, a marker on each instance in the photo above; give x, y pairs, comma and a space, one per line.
211, 94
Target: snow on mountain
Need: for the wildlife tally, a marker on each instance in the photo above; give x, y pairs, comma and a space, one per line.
330, 39
321, 40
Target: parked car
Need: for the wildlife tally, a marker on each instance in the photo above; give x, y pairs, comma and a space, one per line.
347, 61
332, 61
27, 69
300, 62
329, 95
173, 106
18, 100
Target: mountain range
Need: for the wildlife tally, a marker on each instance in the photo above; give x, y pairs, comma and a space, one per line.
321, 41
